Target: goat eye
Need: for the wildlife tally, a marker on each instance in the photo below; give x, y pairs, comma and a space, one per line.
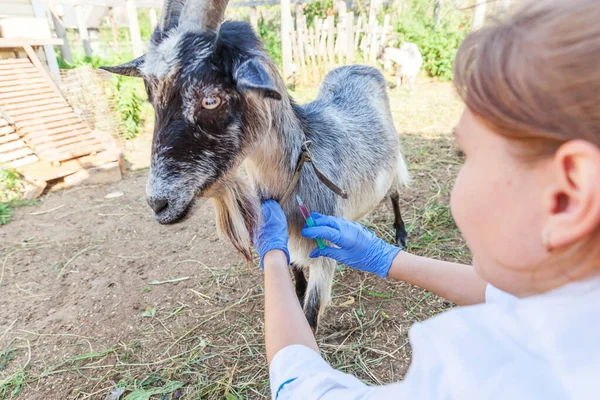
211, 102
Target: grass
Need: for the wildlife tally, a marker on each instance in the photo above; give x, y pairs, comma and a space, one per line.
211, 346
11, 191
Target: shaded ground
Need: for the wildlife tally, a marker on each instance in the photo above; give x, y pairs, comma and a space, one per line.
97, 298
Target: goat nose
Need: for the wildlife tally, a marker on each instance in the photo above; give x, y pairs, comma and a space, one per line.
157, 204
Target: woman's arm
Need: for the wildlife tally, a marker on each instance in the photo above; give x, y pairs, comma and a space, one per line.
458, 283
285, 323
359, 248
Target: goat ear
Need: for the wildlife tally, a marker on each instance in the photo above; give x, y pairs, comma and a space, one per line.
251, 75
132, 68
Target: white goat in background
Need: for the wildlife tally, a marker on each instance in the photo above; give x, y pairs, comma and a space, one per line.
408, 62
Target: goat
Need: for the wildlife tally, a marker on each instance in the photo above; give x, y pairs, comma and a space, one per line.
408, 62
219, 101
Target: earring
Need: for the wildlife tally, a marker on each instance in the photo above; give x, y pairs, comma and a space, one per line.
546, 240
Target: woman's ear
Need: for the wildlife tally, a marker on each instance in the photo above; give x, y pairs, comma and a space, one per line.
574, 199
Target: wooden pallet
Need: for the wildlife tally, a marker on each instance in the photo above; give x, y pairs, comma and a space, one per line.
43, 119
40, 133
14, 152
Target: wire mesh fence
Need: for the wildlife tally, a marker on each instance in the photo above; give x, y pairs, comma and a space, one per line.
92, 96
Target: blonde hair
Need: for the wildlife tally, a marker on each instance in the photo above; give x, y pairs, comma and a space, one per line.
535, 76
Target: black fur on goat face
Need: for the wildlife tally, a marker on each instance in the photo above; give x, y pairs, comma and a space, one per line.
209, 91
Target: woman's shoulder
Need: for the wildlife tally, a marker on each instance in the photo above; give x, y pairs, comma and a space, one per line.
521, 346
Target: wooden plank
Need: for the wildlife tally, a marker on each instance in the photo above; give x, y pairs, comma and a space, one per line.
34, 101
5, 130
10, 146
57, 107
17, 10
8, 97
19, 82
3, 122
75, 138
22, 42
9, 137
30, 159
12, 61
23, 87
57, 130
15, 67
29, 74
77, 150
50, 138
15, 155
331, 39
27, 130
33, 117
286, 44
24, 69
40, 67
44, 121
44, 171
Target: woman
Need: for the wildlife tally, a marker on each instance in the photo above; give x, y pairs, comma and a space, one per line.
527, 201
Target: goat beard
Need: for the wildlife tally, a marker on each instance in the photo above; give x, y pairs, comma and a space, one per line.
238, 211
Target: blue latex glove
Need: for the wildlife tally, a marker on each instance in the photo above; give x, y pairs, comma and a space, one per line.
359, 248
272, 234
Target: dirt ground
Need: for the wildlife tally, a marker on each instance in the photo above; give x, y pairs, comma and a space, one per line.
98, 301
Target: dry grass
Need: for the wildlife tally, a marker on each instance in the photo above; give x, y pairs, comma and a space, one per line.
212, 347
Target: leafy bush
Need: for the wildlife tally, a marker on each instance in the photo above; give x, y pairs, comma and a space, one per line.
11, 191
270, 35
129, 106
438, 45
10, 184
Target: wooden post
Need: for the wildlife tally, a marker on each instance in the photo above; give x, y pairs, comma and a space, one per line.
300, 31
61, 32
320, 35
331, 39
437, 11
113, 27
349, 37
153, 18
357, 32
254, 18
373, 44
384, 31
84, 37
39, 8
286, 45
134, 29
371, 48
311, 44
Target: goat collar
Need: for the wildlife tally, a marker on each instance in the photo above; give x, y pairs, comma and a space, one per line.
306, 157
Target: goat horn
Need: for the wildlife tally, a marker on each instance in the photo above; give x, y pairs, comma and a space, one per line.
204, 14
171, 12
132, 68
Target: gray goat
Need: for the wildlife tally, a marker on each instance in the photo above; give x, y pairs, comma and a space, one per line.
219, 101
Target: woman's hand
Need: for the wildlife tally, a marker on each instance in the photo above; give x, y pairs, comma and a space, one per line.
272, 234
359, 248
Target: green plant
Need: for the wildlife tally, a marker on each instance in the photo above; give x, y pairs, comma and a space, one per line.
317, 9
438, 44
129, 106
269, 32
6, 212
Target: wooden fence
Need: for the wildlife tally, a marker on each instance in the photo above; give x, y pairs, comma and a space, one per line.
330, 43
